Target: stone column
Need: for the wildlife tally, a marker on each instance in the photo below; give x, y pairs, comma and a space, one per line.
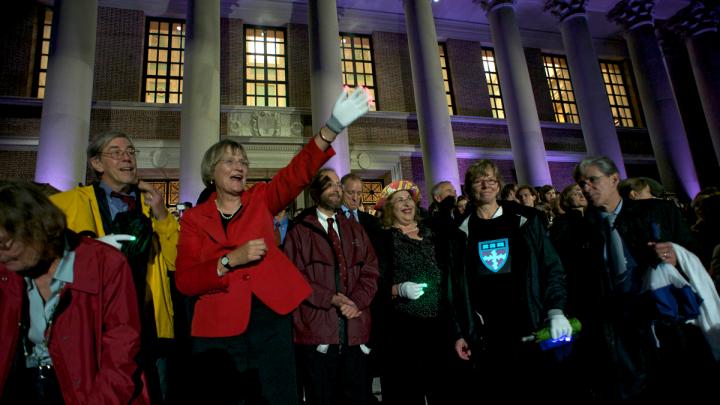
526, 138
698, 25
667, 134
436, 136
592, 100
65, 120
326, 75
200, 126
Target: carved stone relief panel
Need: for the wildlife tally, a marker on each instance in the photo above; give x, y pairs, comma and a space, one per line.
265, 123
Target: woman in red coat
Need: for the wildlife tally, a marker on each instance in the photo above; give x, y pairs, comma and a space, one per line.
244, 285
69, 323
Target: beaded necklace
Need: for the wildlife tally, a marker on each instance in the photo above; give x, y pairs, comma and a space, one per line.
224, 215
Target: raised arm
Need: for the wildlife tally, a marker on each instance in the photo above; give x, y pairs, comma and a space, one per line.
291, 180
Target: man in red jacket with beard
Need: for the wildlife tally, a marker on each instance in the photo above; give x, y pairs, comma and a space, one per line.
332, 326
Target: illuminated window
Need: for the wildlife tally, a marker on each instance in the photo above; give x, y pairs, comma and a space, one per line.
561, 91
164, 61
44, 32
618, 94
493, 82
446, 79
265, 67
357, 64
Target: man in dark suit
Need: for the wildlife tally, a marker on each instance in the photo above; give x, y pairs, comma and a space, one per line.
631, 351
352, 198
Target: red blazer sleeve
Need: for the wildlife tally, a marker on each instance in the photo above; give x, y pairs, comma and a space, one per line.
293, 178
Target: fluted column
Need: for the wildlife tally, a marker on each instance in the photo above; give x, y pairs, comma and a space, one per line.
65, 120
521, 114
436, 136
667, 134
698, 25
592, 100
200, 126
326, 75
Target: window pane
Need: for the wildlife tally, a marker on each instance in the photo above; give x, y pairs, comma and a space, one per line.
446, 78
492, 79
42, 51
265, 73
561, 90
617, 94
356, 61
165, 54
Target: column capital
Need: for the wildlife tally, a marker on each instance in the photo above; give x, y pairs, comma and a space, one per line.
700, 16
563, 9
632, 13
489, 5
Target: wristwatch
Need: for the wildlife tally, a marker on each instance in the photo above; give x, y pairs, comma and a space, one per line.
225, 261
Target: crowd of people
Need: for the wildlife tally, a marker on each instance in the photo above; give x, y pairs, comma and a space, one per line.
600, 293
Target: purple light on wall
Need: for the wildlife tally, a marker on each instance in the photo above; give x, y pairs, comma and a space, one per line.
58, 170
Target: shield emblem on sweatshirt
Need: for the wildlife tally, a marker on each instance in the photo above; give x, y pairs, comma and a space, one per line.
494, 253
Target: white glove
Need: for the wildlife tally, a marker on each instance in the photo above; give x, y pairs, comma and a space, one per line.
559, 324
322, 348
347, 109
116, 240
411, 290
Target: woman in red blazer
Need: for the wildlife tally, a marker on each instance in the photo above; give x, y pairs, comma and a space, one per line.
244, 285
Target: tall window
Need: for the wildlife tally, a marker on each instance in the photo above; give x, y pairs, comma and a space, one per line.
446, 79
493, 82
357, 64
164, 60
618, 94
43, 52
561, 91
265, 67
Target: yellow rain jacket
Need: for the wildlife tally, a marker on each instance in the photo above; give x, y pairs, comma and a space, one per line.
83, 214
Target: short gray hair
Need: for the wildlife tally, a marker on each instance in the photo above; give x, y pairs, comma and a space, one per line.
97, 145
603, 163
214, 154
436, 188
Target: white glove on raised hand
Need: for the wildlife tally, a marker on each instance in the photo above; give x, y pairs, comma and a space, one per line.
559, 324
347, 109
411, 290
116, 240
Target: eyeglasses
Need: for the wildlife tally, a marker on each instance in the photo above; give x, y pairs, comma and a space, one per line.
401, 200
117, 154
485, 182
232, 162
6, 245
590, 180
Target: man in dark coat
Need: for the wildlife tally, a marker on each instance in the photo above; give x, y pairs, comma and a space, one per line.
331, 327
513, 283
629, 353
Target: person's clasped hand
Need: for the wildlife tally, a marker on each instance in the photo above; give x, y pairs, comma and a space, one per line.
347, 109
116, 240
411, 290
559, 325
